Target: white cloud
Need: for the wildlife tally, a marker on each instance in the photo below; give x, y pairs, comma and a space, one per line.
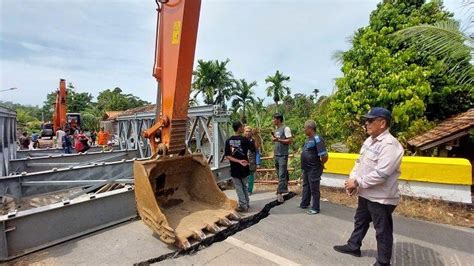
104, 44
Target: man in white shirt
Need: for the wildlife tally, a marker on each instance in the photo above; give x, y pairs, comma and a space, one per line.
59, 138
375, 179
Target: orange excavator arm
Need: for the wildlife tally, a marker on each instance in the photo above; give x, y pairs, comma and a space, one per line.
177, 196
174, 56
60, 106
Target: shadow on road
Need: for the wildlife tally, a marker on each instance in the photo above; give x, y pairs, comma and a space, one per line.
410, 254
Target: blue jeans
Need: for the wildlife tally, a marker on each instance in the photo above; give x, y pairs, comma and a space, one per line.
67, 149
241, 187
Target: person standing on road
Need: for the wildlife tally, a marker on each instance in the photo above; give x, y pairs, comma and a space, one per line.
81, 142
102, 137
93, 137
67, 144
59, 138
24, 141
282, 139
313, 158
35, 140
236, 150
375, 178
253, 158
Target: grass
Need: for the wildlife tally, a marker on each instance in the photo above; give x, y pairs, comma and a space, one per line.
424, 209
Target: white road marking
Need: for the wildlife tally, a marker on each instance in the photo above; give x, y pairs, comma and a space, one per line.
260, 252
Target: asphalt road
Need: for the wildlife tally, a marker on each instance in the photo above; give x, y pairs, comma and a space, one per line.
287, 236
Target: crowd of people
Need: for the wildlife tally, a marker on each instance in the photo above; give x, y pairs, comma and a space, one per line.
77, 139
374, 178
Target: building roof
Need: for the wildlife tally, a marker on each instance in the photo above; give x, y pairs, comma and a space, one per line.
112, 115
450, 129
142, 109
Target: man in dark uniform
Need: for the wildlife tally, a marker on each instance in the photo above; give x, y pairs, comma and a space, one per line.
313, 158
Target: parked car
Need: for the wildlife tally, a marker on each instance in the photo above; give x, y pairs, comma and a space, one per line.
47, 130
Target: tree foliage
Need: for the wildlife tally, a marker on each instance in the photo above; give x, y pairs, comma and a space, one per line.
243, 96
76, 102
213, 81
277, 89
115, 100
381, 71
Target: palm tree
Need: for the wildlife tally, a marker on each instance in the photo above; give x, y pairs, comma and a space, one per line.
243, 95
445, 40
213, 81
316, 93
257, 112
202, 79
277, 89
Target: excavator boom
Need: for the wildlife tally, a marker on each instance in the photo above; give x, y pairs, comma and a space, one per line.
176, 193
60, 106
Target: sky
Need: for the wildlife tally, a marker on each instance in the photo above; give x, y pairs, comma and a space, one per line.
100, 45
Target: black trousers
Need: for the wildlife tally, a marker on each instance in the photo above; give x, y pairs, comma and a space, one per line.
311, 180
381, 216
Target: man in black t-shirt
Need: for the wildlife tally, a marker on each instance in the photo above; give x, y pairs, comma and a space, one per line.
236, 149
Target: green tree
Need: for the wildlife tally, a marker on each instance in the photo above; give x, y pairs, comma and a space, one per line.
76, 102
277, 89
444, 39
380, 71
91, 117
115, 100
258, 115
213, 81
243, 96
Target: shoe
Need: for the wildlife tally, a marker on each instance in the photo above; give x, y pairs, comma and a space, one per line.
381, 264
347, 250
280, 198
303, 207
312, 212
241, 209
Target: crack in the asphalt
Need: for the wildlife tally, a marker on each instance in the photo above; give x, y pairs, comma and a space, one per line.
222, 235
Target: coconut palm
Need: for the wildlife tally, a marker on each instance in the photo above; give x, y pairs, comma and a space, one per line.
277, 88
243, 96
445, 40
213, 81
257, 113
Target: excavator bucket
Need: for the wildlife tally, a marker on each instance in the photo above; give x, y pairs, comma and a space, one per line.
177, 197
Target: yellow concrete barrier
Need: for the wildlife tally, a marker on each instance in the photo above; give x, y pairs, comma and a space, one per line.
424, 169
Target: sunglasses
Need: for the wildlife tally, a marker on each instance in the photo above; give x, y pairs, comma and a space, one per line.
370, 120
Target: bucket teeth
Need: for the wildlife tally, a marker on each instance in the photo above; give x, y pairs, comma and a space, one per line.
199, 235
233, 216
224, 221
184, 244
212, 228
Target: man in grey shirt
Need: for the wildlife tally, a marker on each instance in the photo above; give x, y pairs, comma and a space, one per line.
282, 138
375, 179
